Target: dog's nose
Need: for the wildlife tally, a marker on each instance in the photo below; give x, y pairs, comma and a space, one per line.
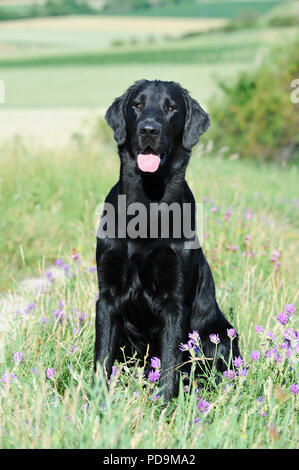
150, 129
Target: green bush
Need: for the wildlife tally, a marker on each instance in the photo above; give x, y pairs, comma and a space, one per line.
256, 117
280, 21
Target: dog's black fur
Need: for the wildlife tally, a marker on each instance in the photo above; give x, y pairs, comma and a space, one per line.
155, 291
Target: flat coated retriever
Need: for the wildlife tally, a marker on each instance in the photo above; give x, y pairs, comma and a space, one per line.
153, 290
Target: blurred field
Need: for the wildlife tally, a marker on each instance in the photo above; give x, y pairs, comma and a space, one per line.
57, 163
50, 198
41, 36
55, 64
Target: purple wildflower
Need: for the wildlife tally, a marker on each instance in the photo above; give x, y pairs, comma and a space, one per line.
194, 336
49, 275
283, 317
18, 357
30, 308
34, 371
231, 333
255, 355
59, 315
271, 336
9, 378
289, 334
259, 328
294, 389
153, 376
203, 406
82, 317
76, 257
290, 308
238, 361
59, 262
155, 397
276, 255
51, 372
214, 338
230, 374
186, 347
227, 215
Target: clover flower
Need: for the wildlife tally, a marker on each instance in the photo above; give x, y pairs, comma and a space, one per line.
230, 374
294, 389
153, 376
290, 308
155, 397
238, 362
51, 372
231, 333
18, 357
8, 378
214, 338
283, 317
276, 255
255, 355
155, 363
203, 406
194, 336
259, 328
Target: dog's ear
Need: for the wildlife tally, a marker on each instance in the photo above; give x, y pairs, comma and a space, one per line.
116, 114
196, 122
115, 117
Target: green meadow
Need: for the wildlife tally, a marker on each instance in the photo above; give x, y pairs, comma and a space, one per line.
48, 271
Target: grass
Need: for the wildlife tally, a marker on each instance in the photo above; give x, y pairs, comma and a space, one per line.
59, 80
210, 9
44, 36
50, 200
61, 87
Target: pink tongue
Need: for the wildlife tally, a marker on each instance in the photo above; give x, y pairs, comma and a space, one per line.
149, 162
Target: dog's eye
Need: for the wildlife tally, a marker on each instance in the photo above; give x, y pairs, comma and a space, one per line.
138, 105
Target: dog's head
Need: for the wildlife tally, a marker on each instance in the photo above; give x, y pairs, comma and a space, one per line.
153, 118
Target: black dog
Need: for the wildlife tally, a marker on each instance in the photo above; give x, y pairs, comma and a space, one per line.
154, 290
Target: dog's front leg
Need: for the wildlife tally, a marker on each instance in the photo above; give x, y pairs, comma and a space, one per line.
108, 327
171, 356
